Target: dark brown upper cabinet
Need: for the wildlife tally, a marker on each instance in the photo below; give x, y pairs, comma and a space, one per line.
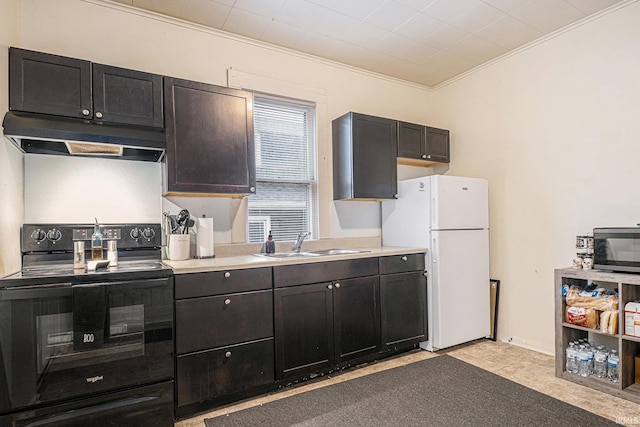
61, 86
210, 141
49, 84
422, 145
127, 96
364, 157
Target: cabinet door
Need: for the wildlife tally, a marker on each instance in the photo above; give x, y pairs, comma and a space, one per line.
127, 96
411, 140
210, 138
437, 148
303, 329
403, 306
364, 157
356, 312
374, 157
49, 84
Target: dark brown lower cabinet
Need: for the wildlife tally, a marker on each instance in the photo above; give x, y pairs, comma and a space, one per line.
224, 337
209, 375
237, 336
403, 306
403, 301
322, 325
303, 329
356, 316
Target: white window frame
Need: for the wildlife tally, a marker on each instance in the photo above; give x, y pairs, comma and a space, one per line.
311, 182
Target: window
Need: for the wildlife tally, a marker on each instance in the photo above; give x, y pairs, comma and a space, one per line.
285, 201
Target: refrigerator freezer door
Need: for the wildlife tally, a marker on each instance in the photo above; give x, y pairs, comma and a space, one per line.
459, 286
459, 203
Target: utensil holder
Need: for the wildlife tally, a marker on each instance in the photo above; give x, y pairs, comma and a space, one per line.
179, 246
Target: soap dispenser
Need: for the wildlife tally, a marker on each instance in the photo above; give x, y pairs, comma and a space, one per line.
270, 245
96, 243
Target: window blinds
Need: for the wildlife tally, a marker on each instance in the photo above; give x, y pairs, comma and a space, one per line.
285, 198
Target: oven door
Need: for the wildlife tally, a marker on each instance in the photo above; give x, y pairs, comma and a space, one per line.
64, 341
617, 249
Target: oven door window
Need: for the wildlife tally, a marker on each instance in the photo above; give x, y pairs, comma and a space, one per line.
54, 345
123, 339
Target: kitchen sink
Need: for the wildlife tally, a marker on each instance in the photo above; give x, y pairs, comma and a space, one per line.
290, 254
310, 254
338, 251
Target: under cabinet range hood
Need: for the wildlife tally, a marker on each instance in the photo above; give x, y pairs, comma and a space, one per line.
45, 134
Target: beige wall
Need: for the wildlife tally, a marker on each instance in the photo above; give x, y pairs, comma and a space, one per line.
556, 130
11, 166
116, 35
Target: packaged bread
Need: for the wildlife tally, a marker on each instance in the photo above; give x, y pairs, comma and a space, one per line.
600, 299
609, 322
580, 316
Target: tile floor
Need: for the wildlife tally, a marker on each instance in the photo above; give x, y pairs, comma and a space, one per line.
532, 369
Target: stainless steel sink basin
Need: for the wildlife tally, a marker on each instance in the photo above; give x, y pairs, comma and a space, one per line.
338, 251
309, 254
290, 254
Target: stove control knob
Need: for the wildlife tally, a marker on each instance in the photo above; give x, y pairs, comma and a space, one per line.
54, 235
148, 233
38, 235
135, 233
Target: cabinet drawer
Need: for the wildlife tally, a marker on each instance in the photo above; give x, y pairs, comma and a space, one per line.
299, 274
212, 374
401, 263
222, 282
211, 322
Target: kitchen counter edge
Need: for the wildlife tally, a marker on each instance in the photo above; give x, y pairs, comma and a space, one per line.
253, 261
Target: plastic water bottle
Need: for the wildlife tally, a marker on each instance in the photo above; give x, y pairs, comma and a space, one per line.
600, 362
572, 359
613, 369
584, 361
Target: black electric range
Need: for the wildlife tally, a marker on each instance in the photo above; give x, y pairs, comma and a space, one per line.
83, 347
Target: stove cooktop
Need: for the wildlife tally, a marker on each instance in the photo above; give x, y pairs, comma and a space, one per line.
125, 270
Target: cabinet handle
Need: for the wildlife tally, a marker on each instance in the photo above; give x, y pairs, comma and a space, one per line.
98, 114
227, 354
330, 287
227, 301
227, 274
429, 156
337, 285
404, 258
85, 112
424, 156
252, 189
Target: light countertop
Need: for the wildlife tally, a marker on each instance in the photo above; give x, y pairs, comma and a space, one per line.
253, 261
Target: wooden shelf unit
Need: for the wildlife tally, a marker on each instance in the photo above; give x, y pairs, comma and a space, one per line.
628, 287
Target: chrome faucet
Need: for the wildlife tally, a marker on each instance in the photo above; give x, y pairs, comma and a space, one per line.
298, 245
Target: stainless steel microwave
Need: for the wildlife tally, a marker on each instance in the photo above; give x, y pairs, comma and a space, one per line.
617, 249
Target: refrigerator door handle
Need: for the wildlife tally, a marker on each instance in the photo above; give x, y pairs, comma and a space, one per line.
434, 211
434, 250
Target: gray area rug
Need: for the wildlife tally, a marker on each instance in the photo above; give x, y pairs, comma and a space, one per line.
441, 391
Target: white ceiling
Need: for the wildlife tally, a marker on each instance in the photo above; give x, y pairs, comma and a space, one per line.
423, 41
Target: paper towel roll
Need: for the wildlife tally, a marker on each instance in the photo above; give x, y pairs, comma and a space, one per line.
204, 238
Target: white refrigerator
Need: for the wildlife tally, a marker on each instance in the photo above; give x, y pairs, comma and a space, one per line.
448, 215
